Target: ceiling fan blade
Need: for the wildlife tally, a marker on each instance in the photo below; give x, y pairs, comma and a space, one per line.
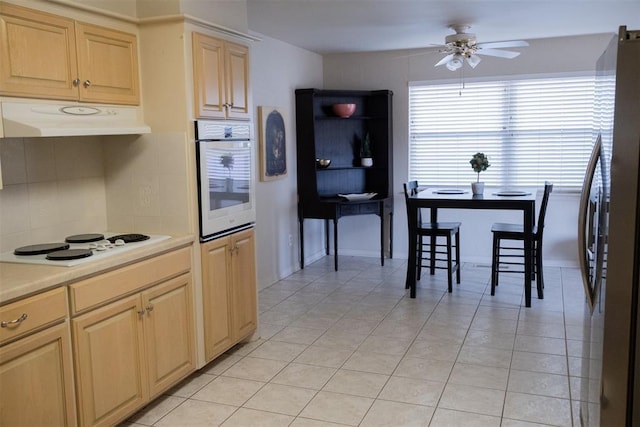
444, 60
430, 49
499, 53
500, 45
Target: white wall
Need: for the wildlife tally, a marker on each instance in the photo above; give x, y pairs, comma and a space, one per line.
277, 69
394, 70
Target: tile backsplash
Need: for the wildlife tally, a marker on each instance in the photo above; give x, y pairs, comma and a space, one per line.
56, 187
52, 186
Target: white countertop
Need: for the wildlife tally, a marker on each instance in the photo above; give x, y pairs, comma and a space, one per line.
20, 280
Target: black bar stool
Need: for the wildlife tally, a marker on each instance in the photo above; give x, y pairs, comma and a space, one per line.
432, 253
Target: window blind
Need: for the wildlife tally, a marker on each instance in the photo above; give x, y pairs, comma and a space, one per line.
532, 131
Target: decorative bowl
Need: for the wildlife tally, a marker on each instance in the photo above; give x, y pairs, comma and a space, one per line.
344, 110
323, 163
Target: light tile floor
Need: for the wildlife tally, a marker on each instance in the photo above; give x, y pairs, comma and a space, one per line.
351, 348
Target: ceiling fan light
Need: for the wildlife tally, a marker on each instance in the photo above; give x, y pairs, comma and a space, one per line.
473, 60
455, 62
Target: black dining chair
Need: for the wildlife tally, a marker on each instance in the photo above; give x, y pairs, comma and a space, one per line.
504, 257
431, 251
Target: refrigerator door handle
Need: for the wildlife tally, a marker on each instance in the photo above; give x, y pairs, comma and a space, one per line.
583, 221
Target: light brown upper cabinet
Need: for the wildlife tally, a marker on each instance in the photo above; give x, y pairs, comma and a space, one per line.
221, 78
51, 57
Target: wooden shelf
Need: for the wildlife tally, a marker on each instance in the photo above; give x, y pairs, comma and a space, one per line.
320, 117
346, 168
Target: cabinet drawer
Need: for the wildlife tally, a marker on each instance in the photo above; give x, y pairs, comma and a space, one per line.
36, 311
106, 287
369, 208
349, 209
359, 208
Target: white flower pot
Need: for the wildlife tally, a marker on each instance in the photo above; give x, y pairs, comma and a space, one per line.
477, 188
366, 161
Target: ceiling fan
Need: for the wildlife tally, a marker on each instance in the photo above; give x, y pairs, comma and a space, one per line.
462, 46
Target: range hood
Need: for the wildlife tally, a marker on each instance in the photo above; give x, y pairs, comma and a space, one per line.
39, 119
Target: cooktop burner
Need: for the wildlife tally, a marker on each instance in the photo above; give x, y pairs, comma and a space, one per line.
128, 238
85, 238
80, 248
40, 249
69, 254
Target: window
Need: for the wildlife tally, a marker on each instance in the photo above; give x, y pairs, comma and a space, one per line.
532, 130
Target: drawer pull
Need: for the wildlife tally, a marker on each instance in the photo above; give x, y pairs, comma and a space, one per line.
150, 307
141, 312
13, 322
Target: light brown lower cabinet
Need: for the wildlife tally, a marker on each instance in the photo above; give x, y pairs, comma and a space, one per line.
36, 380
130, 338
229, 291
131, 350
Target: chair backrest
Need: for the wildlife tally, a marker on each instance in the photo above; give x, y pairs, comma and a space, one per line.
411, 189
548, 187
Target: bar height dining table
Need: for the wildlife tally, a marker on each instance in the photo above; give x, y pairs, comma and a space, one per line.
434, 199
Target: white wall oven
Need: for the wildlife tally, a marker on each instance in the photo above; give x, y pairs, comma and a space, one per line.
226, 173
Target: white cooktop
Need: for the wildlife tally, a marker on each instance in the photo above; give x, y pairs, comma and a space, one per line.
109, 250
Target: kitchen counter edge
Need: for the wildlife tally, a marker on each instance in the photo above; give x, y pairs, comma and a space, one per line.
21, 280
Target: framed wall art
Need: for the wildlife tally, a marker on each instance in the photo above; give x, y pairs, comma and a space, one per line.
273, 143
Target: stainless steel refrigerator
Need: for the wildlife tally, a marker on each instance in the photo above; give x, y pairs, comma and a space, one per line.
609, 242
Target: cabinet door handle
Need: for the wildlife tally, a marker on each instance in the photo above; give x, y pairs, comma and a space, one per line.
14, 322
86, 83
141, 312
76, 82
150, 307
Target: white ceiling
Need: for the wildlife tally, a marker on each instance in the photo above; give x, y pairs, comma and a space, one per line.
336, 26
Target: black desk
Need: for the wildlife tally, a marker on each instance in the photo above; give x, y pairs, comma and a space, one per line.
429, 199
333, 208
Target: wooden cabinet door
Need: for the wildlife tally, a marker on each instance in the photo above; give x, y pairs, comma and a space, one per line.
107, 65
208, 77
37, 54
36, 380
111, 380
244, 310
168, 329
216, 284
237, 74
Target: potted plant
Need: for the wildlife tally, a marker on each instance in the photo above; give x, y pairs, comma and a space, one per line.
479, 163
366, 157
